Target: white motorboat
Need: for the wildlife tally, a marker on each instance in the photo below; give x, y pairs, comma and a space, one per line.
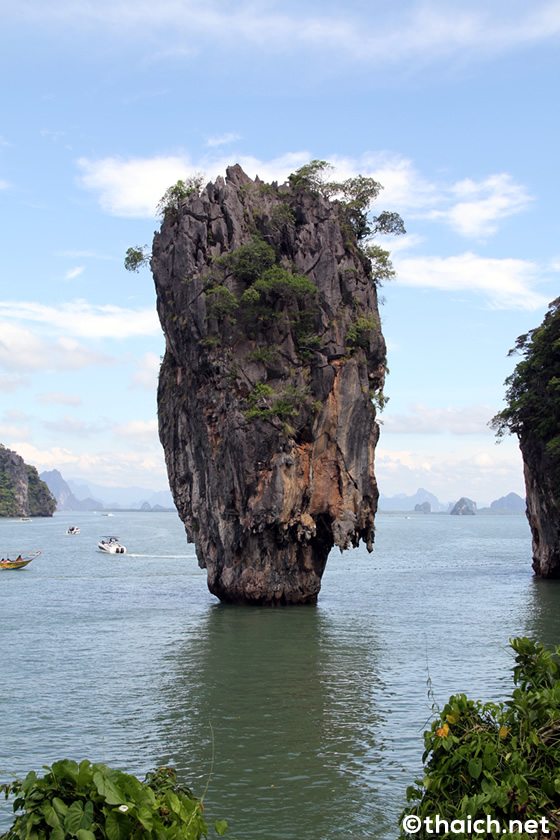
73, 529
111, 545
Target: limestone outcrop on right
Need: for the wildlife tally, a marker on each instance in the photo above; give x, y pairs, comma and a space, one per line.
533, 414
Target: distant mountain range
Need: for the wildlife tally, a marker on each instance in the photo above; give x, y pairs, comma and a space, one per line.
403, 502
79, 495
512, 503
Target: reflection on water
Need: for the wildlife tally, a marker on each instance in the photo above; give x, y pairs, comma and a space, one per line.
293, 721
316, 714
543, 619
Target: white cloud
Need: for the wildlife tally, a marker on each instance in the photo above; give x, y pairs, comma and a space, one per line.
119, 468
56, 398
138, 430
223, 139
467, 420
14, 415
146, 376
481, 473
8, 431
70, 425
12, 382
422, 33
74, 272
471, 208
22, 350
83, 319
481, 205
133, 188
507, 283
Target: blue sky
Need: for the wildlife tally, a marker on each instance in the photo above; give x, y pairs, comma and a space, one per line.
452, 106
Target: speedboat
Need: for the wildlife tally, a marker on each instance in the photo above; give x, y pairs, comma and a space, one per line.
25, 519
111, 545
73, 529
19, 562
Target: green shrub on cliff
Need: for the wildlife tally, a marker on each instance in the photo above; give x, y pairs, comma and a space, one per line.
170, 202
494, 760
92, 802
8, 502
354, 195
533, 392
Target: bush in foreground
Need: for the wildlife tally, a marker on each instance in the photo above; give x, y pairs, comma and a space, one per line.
498, 761
92, 802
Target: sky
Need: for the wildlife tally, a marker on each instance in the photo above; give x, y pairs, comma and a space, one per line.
451, 105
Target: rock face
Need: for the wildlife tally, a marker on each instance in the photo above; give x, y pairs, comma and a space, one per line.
464, 507
424, 507
22, 493
273, 354
543, 509
532, 412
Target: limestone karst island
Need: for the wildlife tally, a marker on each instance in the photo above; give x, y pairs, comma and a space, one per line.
22, 493
533, 413
274, 363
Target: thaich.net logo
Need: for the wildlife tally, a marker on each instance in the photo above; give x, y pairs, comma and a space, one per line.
412, 824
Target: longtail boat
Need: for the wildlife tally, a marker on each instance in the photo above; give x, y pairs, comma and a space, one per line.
19, 562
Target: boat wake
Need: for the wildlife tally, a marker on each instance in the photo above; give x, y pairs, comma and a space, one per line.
166, 556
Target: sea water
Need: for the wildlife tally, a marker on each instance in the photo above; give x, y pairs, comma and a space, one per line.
297, 722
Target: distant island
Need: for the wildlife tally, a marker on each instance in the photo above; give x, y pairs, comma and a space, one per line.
425, 502
22, 493
75, 496
464, 507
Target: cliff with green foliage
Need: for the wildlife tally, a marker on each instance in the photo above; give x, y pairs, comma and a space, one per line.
533, 414
22, 493
274, 364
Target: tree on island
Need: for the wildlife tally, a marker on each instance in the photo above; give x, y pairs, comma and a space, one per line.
532, 412
354, 195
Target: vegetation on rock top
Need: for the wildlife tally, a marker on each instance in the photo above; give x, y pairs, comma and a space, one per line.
533, 393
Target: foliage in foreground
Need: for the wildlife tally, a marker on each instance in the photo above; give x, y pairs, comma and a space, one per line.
92, 802
498, 760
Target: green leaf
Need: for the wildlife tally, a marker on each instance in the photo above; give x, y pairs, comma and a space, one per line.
146, 817
73, 818
50, 815
57, 833
84, 834
85, 775
60, 807
475, 767
490, 758
107, 789
117, 826
66, 769
221, 827
87, 818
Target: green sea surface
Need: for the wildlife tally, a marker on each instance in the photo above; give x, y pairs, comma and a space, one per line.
299, 722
